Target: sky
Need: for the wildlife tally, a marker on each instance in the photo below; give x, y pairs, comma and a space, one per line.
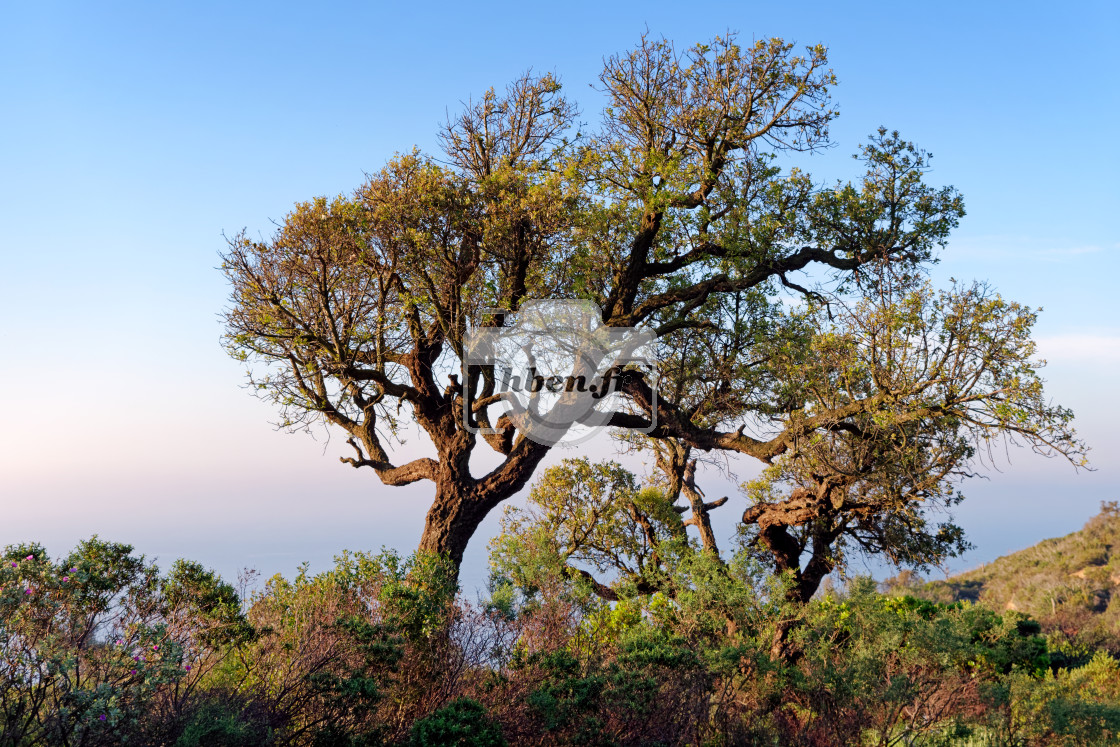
134, 135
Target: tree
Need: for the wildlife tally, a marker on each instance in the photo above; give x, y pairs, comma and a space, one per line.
919, 386
584, 516
672, 213
910, 390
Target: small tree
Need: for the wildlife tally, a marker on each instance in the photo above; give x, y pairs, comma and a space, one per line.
583, 516
878, 407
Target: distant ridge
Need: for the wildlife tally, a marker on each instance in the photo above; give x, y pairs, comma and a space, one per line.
1070, 584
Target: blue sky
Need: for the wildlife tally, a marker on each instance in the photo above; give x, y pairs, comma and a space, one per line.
134, 134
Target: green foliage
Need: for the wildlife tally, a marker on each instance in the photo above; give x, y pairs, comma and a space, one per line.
584, 515
88, 643
461, 723
192, 590
903, 668
632, 695
1069, 584
1070, 707
569, 699
352, 690
377, 651
226, 721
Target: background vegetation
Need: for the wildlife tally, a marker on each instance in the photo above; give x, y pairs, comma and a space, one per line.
102, 648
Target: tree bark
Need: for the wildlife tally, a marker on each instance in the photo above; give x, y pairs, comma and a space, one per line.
786, 554
451, 522
462, 501
449, 525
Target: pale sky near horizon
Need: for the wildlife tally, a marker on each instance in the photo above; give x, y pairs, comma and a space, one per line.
134, 134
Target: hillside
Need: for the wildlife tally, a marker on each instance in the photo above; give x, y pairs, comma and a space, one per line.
1070, 584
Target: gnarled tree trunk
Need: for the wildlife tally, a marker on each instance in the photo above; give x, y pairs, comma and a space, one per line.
462, 501
452, 520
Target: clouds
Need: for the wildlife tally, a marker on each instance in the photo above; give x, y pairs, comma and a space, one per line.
1002, 248
1062, 253
1081, 347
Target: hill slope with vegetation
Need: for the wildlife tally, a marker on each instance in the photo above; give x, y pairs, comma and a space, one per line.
1070, 584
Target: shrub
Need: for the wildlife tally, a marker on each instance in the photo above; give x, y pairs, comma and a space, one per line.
461, 723
91, 645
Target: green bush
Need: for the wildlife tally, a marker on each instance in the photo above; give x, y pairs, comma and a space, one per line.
461, 723
90, 645
226, 721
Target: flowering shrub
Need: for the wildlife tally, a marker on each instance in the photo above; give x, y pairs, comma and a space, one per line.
93, 644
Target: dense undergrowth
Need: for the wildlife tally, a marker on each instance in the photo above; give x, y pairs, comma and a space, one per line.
100, 648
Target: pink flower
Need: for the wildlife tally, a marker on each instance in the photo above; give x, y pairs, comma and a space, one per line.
27, 592
30, 557
134, 671
15, 564
65, 579
188, 667
155, 648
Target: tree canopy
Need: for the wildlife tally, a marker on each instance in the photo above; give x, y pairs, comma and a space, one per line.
792, 317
